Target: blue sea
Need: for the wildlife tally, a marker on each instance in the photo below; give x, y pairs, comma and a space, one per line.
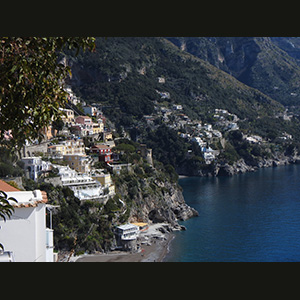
253, 217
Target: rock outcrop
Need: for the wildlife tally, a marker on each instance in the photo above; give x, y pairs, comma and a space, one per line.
168, 207
155, 199
241, 167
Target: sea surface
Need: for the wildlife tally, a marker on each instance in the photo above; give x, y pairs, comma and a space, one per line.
253, 217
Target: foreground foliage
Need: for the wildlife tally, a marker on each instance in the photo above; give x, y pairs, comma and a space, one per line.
31, 80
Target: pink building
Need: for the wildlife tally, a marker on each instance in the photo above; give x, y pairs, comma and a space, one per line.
84, 120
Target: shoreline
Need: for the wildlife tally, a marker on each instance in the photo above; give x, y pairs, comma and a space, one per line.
270, 163
154, 250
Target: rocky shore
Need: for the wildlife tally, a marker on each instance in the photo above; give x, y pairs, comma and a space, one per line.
240, 166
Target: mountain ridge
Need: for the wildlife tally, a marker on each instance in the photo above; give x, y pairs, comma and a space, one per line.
194, 78
256, 61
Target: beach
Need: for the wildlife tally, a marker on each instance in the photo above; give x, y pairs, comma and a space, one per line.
153, 249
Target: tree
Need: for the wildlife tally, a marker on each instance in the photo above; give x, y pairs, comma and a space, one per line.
6, 209
31, 89
31, 83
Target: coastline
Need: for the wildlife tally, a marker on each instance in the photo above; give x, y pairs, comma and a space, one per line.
154, 250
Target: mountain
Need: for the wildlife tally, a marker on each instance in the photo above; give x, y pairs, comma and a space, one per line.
123, 74
134, 79
267, 64
291, 45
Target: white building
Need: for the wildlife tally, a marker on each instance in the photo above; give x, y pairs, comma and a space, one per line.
35, 166
24, 234
83, 186
232, 126
209, 154
90, 110
177, 106
207, 127
126, 236
200, 142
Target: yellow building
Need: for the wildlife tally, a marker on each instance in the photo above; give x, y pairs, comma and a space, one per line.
107, 136
80, 163
68, 118
98, 128
74, 147
67, 147
106, 182
57, 150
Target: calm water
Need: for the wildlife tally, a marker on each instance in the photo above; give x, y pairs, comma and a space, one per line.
244, 218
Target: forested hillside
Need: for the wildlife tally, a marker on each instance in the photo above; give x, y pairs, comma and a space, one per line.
123, 73
135, 78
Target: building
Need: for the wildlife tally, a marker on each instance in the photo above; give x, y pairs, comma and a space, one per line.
35, 167
126, 236
83, 186
104, 153
74, 147
177, 106
90, 110
98, 128
66, 148
199, 141
107, 136
232, 126
79, 162
68, 118
56, 151
208, 127
84, 120
161, 80
24, 234
116, 168
106, 182
49, 132
85, 124
209, 154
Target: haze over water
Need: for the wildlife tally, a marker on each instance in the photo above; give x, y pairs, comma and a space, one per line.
252, 217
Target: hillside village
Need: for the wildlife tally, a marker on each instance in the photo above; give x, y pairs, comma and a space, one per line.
76, 148
90, 183
85, 141
79, 153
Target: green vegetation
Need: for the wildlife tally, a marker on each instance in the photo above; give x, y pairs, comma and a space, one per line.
80, 226
9, 164
30, 83
123, 74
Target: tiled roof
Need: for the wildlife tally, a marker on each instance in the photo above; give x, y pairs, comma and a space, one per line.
5, 187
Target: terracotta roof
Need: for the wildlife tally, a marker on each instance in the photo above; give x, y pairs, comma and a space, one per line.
5, 187
85, 117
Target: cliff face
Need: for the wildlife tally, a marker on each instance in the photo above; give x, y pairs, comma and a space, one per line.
153, 198
270, 65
